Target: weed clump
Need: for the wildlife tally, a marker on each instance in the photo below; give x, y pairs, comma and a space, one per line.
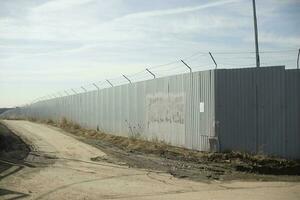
65, 124
76, 126
49, 121
32, 119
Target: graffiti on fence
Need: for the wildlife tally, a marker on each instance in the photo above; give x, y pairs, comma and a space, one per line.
164, 111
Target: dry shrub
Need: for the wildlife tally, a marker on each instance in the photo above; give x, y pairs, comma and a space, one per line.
32, 119
76, 126
63, 122
49, 121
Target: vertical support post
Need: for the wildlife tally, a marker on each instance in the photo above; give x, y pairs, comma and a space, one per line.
256, 35
96, 86
110, 83
298, 59
151, 73
126, 78
257, 119
213, 59
187, 66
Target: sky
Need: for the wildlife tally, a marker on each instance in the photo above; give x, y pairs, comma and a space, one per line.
51, 46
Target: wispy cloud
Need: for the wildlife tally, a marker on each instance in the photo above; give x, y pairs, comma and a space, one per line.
58, 5
100, 38
157, 13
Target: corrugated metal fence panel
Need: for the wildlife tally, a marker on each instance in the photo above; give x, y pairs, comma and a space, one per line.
165, 109
227, 105
254, 110
200, 110
250, 113
292, 85
271, 118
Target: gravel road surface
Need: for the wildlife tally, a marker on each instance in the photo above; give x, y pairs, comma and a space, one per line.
60, 167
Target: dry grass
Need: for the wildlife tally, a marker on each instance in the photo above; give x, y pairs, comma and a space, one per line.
248, 162
65, 124
49, 121
32, 119
133, 143
155, 146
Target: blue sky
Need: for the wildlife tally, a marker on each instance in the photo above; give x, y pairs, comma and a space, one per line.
48, 46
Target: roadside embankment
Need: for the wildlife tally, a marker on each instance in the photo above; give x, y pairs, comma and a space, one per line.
184, 163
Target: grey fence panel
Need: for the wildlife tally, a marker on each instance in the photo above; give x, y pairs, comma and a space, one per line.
199, 109
188, 109
271, 118
91, 105
164, 109
95, 110
292, 88
250, 113
101, 121
254, 110
72, 108
84, 108
76, 108
106, 113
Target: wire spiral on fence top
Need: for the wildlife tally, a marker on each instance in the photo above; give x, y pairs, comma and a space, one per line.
195, 62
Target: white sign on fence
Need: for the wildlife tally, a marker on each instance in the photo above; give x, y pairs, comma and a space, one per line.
201, 107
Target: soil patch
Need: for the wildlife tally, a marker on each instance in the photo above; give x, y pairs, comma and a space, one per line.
13, 152
12, 148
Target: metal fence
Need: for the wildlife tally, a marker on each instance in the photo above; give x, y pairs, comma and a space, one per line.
257, 110
254, 110
292, 120
165, 109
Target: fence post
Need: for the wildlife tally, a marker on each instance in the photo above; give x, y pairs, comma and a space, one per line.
83, 89
126, 78
96, 86
151, 73
213, 59
74, 91
110, 83
187, 66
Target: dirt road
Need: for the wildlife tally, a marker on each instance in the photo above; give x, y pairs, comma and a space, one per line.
60, 167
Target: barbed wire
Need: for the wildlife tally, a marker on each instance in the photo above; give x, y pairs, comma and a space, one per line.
197, 61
